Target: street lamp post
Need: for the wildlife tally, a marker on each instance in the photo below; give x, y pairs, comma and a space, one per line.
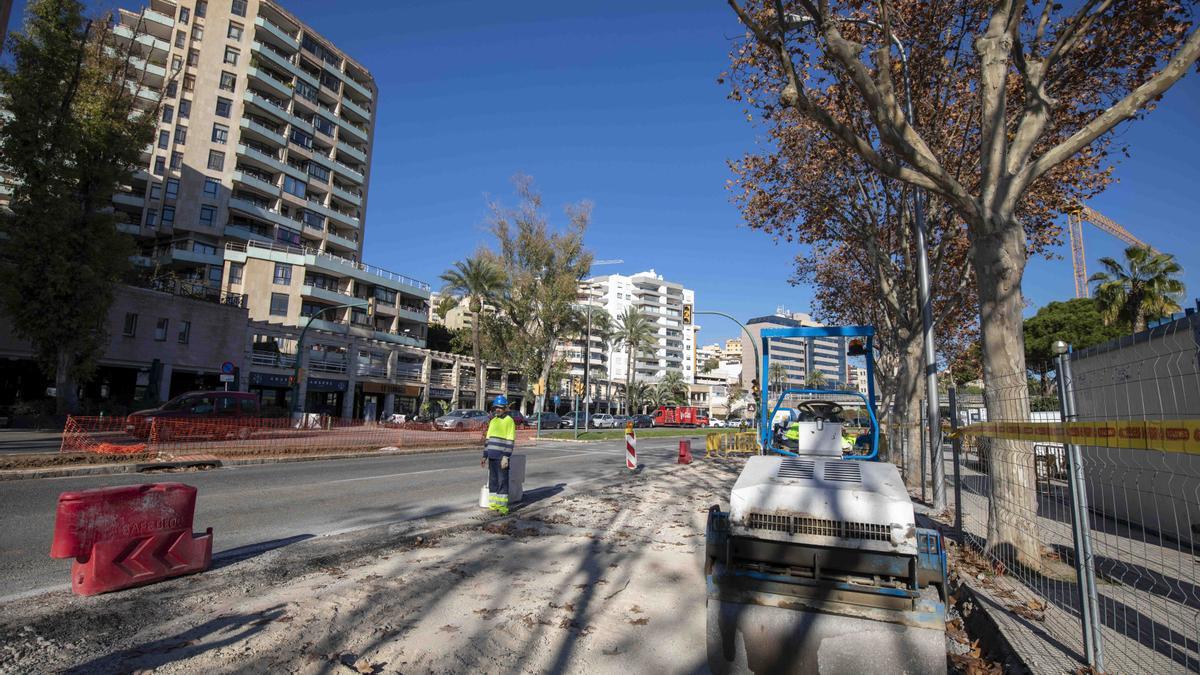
749, 336
933, 405
298, 405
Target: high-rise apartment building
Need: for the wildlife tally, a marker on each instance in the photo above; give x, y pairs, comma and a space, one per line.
256, 180
797, 356
665, 304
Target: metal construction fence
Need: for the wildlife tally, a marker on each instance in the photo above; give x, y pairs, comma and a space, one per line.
1090, 520
249, 436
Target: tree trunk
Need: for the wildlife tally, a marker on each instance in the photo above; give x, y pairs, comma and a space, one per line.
999, 260
66, 398
629, 382
909, 385
480, 371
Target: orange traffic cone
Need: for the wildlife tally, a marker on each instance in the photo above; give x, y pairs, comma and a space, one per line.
685, 451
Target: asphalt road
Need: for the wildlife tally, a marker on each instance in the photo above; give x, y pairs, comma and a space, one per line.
27, 440
260, 507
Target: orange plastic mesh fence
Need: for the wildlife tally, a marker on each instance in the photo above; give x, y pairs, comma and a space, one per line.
100, 435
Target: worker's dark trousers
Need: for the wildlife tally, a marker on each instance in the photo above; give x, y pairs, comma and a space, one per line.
497, 478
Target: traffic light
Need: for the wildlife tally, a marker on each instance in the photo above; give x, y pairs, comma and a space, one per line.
687, 314
754, 388
539, 387
578, 385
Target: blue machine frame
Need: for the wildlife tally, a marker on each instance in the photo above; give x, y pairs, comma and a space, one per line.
866, 332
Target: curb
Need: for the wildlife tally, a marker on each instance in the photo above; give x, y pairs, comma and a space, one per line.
114, 469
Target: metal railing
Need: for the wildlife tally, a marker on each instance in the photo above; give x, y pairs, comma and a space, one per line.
196, 290
299, 250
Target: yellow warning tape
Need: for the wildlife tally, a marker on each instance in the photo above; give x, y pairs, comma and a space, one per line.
1166, 436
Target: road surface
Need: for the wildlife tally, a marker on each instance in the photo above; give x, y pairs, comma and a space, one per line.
259, 507
28, 440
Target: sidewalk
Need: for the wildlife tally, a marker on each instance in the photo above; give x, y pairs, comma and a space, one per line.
606, 579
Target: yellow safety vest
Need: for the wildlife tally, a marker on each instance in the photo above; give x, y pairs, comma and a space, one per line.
501, 437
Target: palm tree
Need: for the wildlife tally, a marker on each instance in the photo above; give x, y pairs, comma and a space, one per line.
814, 380
443, 307
777, 377
1147, 288
478, 280
633, 331
635, 394
673, 388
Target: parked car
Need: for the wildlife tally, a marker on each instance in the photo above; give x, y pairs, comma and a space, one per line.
619, 421
549, 420
571, 419
602, 421
231, 413
643, 421
520, 419
714, 422
459, 420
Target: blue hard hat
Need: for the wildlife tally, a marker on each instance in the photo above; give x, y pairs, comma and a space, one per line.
501, 401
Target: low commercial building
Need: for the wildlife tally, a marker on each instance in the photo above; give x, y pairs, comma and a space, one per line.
161, 342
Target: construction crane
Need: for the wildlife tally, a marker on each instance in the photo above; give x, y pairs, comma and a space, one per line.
1075, 220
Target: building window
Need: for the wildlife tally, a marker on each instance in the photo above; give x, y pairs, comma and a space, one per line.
235, 272
155, 190
180, 38
212, 187
235, 31
231, 56
160, 330
203, 248
293, 186
301, 138
189, 83
220, 134
216, 160
238, 7
214, 275
224, 107
319, 172
130, 328
172, 89
202, 8
197, 33
228, 81
168, 114
185, 108
168, 215
323, 125
310, 309
176, 63
151, 217
306, 90
181, 135
313, 219
207, 213
164, 139
160, 166
279, 304
283, 274
172, 188
193, 59
184, 14
176, 160
185, 332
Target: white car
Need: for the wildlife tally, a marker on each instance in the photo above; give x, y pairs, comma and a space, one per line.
714, 422
602, 421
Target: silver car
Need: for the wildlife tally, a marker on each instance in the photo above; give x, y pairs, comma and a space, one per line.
602, 421
459, 420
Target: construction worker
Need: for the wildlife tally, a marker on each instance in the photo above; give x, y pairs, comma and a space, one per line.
497, 448
791, 437
847, 442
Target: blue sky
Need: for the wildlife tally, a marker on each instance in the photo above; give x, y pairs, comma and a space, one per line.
617, 103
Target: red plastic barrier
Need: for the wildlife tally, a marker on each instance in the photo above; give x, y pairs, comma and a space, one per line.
129, 536
685, 451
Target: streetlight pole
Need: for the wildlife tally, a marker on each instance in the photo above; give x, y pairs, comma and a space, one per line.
933, 405
749, 336
297, 404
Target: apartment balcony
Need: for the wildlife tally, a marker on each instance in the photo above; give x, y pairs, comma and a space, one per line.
353, 107
259, 211
191, 255
250, 180
268, 107
352, 197
264, 78
350, 150
277, 58
263, 132
276, 35
272, 360
149, 22
156, 49
239, 232
395, 338
327, 294
419, 317
344, 242
129, 199
265, 160
129, 228
359, 132
346, 172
